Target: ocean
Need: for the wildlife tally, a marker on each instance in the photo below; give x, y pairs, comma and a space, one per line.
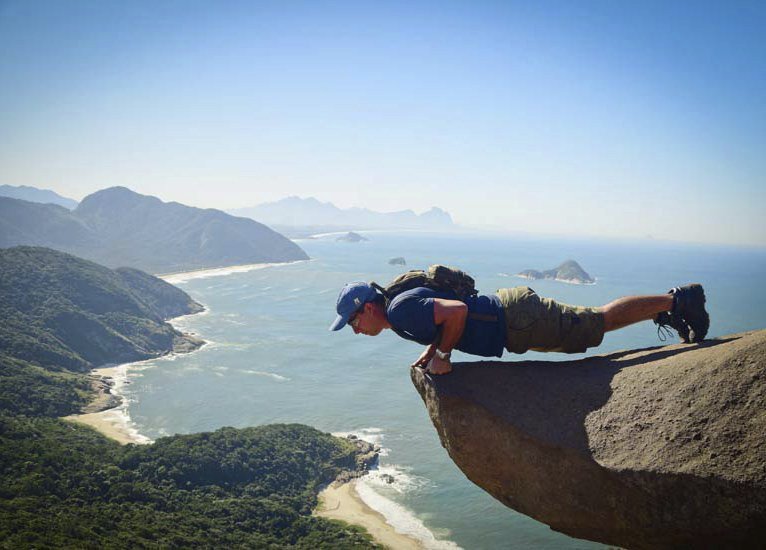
270, 357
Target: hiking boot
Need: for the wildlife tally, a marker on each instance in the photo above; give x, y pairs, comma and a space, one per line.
688, 315
689, 303
667, 319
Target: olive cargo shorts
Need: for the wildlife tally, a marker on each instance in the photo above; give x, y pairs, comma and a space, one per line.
542, 324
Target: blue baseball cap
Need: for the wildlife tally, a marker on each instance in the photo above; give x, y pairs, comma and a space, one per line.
350, 300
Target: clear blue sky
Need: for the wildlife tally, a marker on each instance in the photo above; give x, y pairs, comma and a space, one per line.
621, 119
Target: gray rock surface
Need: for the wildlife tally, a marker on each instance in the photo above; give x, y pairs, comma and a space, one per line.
366, 457
104, 398
662, 447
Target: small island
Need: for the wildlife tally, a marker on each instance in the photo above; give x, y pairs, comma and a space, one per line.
568, 272
352, 237
397, 261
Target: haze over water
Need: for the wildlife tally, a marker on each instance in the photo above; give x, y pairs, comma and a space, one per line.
272, 359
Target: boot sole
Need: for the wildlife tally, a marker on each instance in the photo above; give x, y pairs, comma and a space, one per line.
703, 323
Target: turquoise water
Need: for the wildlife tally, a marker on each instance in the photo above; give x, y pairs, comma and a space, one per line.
271, 358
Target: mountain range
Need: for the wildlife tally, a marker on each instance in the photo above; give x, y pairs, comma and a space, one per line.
33, 194
310, 212
118, 227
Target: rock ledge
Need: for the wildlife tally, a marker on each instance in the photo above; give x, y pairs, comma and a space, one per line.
654, 448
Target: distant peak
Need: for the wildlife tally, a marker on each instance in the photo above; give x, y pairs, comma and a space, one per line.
115, 199
300, 200
119, 190
116, 189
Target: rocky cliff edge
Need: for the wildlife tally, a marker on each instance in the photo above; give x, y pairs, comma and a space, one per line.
661, 447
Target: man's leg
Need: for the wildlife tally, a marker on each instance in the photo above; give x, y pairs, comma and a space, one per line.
542, 324
683, 308
633, 309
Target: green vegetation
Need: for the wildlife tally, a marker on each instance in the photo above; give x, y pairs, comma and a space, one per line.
156, 295
66, 486
31, 390
62, 316
62, 312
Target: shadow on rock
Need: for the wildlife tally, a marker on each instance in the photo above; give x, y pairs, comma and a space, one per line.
660, 447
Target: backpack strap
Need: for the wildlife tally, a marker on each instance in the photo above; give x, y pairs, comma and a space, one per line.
382, 290
379, 288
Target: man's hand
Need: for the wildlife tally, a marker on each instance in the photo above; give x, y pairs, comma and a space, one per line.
425, 357
439, 366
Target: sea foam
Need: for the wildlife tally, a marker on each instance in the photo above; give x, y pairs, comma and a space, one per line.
120, 415
370, 487
400, 518
273, 375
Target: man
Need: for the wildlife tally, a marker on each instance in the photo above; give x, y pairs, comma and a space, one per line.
515, 319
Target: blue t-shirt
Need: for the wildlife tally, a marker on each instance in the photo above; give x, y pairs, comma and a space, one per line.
412, 313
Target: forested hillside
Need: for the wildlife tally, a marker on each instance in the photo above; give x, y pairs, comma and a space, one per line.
64, 313
64, 485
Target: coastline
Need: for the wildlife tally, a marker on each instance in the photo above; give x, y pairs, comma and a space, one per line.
360, 231
342, 502
113, 422
108, 412
184, 276
387, 522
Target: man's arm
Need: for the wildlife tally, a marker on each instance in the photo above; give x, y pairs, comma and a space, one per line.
450, 316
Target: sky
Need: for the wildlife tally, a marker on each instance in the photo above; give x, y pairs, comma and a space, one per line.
593, 118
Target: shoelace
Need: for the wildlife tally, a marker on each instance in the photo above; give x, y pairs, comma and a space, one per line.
664, 325
663, 332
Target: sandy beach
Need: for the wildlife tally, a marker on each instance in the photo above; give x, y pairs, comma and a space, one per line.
342, 502
183, 276
112, 422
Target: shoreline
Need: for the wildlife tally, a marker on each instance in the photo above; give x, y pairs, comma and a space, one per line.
113, 422
360, 231
184, 276
342, 502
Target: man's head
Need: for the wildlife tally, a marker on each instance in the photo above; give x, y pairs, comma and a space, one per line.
360, 306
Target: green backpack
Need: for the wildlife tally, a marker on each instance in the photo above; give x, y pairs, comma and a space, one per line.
438, 277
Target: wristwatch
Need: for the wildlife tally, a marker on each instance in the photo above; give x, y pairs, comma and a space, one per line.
444, 356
